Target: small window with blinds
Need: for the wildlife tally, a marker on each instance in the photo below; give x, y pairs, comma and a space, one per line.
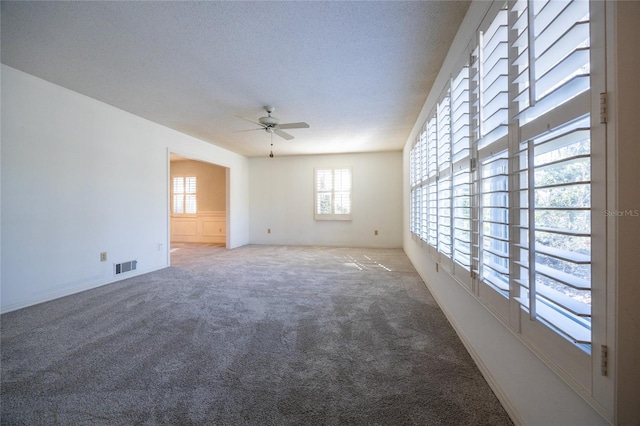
333, 194
184, 195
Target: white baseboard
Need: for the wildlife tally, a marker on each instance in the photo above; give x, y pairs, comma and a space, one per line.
67, 291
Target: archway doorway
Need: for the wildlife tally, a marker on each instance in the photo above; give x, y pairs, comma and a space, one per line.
198, 203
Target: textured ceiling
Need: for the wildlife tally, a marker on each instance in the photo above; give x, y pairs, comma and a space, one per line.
357, 72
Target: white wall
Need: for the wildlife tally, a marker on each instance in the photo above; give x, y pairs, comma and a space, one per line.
80, 177
624, 192
211, 183
282, 199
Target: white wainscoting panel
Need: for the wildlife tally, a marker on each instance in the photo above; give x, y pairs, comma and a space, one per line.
202, 227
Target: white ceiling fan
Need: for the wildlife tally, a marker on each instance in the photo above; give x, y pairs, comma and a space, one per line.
272, 124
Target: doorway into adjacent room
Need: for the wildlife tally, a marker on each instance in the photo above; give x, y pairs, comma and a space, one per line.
197, 203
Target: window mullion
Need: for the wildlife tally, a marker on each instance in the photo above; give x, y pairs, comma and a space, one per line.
476, 223
531, 200
532, 53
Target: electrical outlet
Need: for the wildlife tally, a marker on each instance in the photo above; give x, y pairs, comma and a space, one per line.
103, 256
375, 232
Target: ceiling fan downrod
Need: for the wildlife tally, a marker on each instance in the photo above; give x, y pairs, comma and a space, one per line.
271, 153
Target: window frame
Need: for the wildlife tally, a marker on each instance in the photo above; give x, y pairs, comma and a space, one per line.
184, 194
333, 191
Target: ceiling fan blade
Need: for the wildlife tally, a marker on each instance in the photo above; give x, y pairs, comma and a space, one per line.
301, 125
248, 130
282, 134
251, 121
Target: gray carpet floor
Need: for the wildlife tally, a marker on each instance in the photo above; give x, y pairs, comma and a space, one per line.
259, 335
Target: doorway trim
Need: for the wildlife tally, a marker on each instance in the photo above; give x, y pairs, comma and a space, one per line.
173, 153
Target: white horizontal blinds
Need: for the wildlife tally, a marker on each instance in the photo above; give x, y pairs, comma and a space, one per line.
415, 198
552, 273
558, 285
558, 52
418, 175
460, 118
445, 241
444, 179
513, 175
443, 116
324, 191
462, 217
494, 81
417, 194
474, 111
415, 189
342, 191
431, 183
562, 170
474, 93
333, 194
561, 31
184, 195
461, 177
432, 147
424, 226
489, 87
178, 195
412, 184
190, 194
494, 217
424, 212
521, 54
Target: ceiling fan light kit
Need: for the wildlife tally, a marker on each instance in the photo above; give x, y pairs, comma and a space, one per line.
272, 125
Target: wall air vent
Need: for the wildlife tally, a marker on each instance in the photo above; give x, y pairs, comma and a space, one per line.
121, 268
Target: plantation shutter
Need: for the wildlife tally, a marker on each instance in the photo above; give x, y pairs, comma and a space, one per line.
494, 81
184, 195
431, 185
333, 194
190, 195
494, 215
461, 179
444, 179
554, 165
